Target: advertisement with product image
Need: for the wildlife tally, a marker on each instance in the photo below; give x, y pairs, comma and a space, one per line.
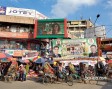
51, 28
68, 48
2, 10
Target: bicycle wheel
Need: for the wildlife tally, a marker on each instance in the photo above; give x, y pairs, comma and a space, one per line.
53, 80
95, 80
46, 79
69, 80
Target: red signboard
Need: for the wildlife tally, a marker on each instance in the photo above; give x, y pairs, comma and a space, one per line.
15, 35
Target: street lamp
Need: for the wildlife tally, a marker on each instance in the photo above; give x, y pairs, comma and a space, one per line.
98, 15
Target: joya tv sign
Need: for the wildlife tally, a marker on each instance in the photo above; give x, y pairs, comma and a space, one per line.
20, 12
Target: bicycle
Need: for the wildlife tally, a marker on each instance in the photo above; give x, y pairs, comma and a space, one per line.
50, 78
67, 78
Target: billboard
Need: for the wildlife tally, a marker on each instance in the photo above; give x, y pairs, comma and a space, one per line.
95, 32
20, 12
71, 48
2, 10
51, 28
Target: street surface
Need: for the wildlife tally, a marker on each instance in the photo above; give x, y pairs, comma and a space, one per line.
29, 84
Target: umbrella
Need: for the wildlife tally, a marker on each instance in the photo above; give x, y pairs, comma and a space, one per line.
4, 60
40, 60
24, 61
36, 58
51, 61
110, 61
4, 55
8, 55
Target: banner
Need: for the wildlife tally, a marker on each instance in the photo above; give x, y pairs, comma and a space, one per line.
25, 54
76, 62
29, 54
18, 53
2, 10
20, 12
74, 48
10, 52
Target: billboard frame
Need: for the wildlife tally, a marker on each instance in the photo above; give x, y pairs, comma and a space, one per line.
65, 35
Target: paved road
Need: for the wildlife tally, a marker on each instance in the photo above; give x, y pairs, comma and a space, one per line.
35, 85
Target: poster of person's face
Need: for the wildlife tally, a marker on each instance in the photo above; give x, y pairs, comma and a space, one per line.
58, 42
53, 28
77, 47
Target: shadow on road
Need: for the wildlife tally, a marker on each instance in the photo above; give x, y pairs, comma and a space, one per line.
108, 85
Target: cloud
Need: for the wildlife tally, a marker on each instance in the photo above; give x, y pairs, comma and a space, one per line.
109, 4
65, 7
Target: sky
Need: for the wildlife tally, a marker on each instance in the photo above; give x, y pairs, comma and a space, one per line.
70, 9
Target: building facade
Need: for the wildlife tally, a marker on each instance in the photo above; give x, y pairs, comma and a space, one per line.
76, 28
17, 28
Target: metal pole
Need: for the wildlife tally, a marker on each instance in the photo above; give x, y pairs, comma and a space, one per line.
98, 15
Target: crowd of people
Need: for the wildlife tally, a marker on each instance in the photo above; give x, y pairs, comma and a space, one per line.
14, 72
19, 72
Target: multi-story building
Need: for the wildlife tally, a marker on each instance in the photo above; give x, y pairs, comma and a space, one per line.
76, 28
17, 29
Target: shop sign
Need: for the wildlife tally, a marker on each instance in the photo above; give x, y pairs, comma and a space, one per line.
10, 52
18, 53
29, 55
20, 12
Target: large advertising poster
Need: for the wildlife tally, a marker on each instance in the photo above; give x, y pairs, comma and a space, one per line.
71, 48
99, 31
2, 10
51, 28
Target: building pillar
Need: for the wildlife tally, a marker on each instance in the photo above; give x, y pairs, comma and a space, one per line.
99, 46
28, 45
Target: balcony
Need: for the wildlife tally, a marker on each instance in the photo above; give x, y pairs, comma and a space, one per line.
23, 35
106, 47
81, 25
